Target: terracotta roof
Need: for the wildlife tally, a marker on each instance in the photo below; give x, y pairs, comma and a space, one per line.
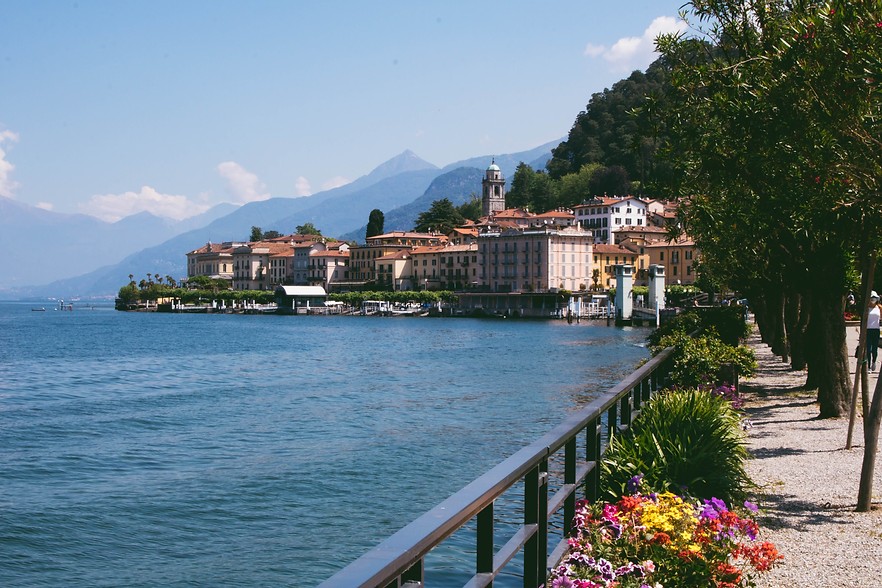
617, 249
513, 213
329, 253
407, 235
426, 249
403, 254
640, 229
556, 214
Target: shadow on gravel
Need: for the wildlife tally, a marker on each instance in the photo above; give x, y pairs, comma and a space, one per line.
765, 392
765, 452
783, 512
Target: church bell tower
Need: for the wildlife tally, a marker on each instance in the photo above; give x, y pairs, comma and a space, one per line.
493, 199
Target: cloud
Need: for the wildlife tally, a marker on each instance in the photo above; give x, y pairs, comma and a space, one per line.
112, 207
630, 53
302, 187
592, 50
45, 205
335, 182
7, 184
243, 185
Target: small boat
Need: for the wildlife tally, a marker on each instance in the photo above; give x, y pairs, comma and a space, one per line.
38, 310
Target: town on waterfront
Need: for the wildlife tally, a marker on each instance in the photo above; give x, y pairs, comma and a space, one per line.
509, 262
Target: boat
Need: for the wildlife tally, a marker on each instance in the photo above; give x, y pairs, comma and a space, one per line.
41, 309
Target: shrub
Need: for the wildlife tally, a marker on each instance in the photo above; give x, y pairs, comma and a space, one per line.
699, 360
682, 441
727, 321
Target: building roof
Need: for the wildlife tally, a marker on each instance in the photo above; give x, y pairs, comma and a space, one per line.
329, 253
406, 235
403, 254
302, 290
640, 229
617, 249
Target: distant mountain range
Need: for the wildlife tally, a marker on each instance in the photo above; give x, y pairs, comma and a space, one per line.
67, 249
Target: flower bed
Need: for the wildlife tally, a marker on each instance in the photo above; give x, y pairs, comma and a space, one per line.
662, 540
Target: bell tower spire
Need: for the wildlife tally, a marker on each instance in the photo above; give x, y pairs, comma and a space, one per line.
493, 193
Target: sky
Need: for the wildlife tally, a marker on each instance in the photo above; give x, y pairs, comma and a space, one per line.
115, 107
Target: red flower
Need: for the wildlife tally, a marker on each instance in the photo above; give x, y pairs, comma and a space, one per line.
629, 503
762, 557
661, 538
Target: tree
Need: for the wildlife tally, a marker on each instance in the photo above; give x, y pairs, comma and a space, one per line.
307, 229
611, 132
472, 209
574, 188
442, 217
533, 189
770, 127
271, 235
610, 180
256, 235
129, 294
376, 220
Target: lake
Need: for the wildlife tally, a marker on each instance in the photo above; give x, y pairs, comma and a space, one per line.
145, 449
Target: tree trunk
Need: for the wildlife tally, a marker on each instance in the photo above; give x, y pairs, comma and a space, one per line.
828, 360
758, 303
791, 319
776, 316
871, 446
797, 335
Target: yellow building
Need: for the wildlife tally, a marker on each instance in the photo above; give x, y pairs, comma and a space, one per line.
678, 256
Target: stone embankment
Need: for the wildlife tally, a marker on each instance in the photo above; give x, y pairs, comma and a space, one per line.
809, 482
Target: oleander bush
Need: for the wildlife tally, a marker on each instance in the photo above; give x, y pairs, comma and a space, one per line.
685, 441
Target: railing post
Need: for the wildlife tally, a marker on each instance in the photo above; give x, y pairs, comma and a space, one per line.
592, 454
484, 561
569, 478
626, 407
536, 513
612, 421
414, 575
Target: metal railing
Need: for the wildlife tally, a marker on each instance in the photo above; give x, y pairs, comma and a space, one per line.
583, 436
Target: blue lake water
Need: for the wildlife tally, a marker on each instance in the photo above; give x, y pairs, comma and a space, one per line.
227, 450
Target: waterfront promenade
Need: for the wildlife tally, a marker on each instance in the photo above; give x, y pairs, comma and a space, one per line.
810, 482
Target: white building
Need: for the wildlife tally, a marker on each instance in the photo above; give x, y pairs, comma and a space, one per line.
604, 215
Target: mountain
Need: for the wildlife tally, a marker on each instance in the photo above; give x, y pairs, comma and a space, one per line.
457, 185
333, 216
508, 163
402, 181
64, 245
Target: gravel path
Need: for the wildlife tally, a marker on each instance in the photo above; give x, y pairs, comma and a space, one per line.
809, 482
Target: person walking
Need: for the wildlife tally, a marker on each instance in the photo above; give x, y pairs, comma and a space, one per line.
874, 311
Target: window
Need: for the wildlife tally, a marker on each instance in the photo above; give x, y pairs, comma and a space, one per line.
661, 256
